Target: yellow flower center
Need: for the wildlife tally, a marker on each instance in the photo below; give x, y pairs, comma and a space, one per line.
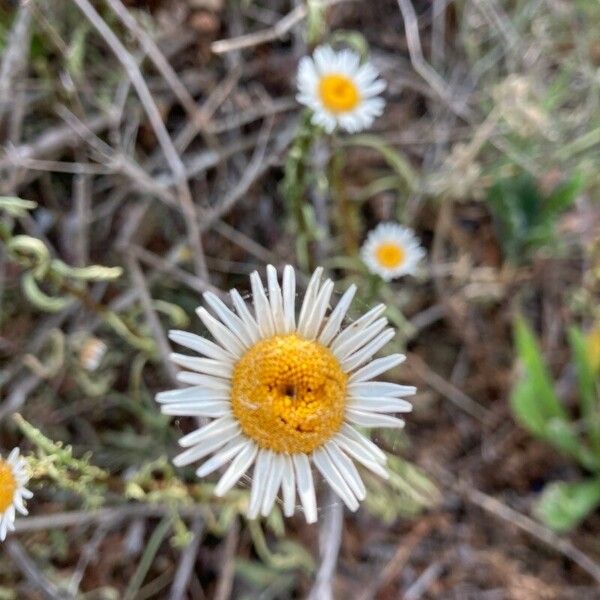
8, 486
390, 255
338, 93
289, 394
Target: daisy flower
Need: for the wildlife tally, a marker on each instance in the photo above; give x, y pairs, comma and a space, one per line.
339, 90
391, 251
286, 390
12, 491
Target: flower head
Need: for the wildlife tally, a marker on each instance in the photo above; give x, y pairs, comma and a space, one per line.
13, 479
286, 390
391, 251
339, 90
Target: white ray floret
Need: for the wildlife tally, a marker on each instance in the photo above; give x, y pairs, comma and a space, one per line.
13, 493
339, 90
250, 382
392, 250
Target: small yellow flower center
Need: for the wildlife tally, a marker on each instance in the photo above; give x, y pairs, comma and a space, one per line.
8, 486
289, 394
390, 255
338, 93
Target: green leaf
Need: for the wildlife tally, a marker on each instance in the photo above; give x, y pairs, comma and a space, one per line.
563, 436
545, 402
563, 505
589, 402
525, 408
562, 197
16, 207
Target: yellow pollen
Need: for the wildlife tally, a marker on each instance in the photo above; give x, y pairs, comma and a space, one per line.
289, 394
8, 486
338, 93
390, 255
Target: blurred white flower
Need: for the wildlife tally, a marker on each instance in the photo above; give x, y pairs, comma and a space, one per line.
391, 251
339, 90
287, 390
13, 478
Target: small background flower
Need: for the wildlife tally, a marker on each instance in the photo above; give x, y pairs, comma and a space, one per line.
391, 250
13, 478
339, 90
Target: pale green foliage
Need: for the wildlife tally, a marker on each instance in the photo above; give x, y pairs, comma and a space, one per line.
406, 493
537, 407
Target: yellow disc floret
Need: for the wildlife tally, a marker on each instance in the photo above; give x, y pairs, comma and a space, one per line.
8, 485
289, 394
338, 93
390, 255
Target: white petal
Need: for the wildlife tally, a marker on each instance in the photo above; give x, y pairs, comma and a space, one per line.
236, 469
190, 395
221, 334
334, 322
327, 122
369, 419
262, 470
19, 505
325, 465
324, 57
205, 448
288, 487
273, 484
309, 298
246, 316
359, 453
27, 494
214, 383
229, 318
262, 308
352, 434
222, 457
306, 488
358, 325
275, 299
376, 367
200, 409
216, 428
383, 404
364, 354
358, 339
200, 345
319, 308
289, 298
307, 76
381, 388
346, 469
208, 366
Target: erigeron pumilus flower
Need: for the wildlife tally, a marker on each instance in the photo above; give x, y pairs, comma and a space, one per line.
285, 391
391, 251
13, 478
339, 90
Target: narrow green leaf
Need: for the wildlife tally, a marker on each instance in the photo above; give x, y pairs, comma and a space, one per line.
562, 197
536, 372
563, 505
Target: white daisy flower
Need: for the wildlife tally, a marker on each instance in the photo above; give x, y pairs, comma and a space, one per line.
339, 90
286, 390
13, 478
391, 251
